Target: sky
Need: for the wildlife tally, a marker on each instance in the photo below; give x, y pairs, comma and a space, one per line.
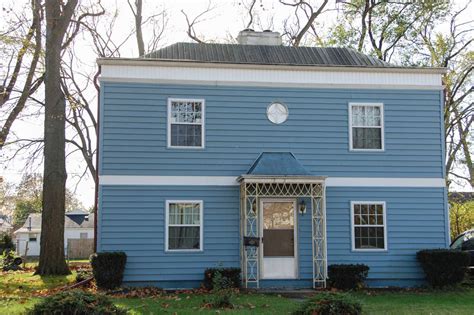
222, 23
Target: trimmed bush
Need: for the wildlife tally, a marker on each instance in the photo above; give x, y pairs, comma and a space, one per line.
330, 303
108, 269
444, 267
76, 303
229, 275
347, 277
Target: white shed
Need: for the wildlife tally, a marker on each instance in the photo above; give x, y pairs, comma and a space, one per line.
77, 225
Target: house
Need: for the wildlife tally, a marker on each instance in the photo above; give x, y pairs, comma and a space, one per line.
5, 225
278, 160
77, 225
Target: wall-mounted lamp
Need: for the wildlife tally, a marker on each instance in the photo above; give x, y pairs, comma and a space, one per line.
302, 207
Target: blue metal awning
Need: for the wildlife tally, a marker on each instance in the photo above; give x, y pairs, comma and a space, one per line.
277, 164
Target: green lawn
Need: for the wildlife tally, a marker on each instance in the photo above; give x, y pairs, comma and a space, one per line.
14, 284
20, 290
191, 304
438, 302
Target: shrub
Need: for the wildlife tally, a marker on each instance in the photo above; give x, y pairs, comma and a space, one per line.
222, 291
6, 243
330, 303
8, 261
83, 274
76, 303
347, 277
108, 269
443, 267
230, 275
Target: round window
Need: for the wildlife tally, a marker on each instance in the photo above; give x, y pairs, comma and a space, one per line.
277, 113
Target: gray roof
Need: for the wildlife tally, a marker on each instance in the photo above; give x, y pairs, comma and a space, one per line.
87, 222
266, 55
277, 164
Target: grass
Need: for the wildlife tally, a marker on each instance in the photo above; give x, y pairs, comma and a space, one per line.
184, 304
14, 284
459, 301
21, 290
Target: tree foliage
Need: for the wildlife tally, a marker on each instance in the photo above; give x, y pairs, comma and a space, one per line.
461, 217
28, 198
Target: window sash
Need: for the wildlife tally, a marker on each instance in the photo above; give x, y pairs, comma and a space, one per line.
186, 112
184, 220
367, 117
366, 126
365, 239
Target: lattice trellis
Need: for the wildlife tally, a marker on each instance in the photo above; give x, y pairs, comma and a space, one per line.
250, 192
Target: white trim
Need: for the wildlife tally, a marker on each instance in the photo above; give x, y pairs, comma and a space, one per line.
382, 126
138, 180
201, 226
295, 235
384, 182
294, 76
384, 226
194, 64
168, 118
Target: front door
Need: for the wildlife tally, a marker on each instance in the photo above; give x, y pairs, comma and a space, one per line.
278, 250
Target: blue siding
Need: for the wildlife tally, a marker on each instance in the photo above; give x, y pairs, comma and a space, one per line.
132, 220
134, 131
415, 220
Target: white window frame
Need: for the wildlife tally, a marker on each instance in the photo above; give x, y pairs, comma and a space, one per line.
384, 205
201, 225
203, 121
382, 127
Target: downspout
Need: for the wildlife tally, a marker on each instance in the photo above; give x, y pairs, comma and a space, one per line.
96, 193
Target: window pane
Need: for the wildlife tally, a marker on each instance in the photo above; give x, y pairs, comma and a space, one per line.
366, 138
184, 237
380, 243
357, 219
184, 213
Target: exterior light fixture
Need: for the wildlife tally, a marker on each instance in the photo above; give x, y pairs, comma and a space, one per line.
302, 207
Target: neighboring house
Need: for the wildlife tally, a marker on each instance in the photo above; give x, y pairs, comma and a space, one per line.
77, 225
5, 225
318, 155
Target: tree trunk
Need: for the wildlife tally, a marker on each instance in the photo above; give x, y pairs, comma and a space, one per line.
52, 260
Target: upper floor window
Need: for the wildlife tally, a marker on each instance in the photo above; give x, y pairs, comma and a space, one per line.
184, 225
185, 123
366, 126
369, 230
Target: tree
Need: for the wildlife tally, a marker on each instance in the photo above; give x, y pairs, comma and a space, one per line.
28, 198
408, 33
30, 44
52, 260
383, 27
23, 208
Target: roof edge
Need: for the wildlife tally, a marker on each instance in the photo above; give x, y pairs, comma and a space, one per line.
195, 64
